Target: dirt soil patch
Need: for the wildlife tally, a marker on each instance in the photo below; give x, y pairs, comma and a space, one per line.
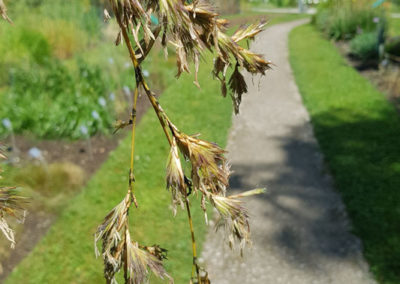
39, 221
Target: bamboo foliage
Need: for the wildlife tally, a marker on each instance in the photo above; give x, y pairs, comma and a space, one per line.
120, 251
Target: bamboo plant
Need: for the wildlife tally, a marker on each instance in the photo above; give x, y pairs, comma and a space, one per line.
191, 28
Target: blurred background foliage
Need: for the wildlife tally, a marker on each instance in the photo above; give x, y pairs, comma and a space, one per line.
340, 19
364, 23
60, 71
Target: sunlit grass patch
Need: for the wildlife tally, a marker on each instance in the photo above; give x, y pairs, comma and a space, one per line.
358, 131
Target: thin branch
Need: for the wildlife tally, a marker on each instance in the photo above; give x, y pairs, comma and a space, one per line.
163, 121
131, 174
195, 267
140, 80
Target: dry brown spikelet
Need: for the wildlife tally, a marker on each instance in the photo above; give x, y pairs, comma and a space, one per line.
3, 12
111, 233
175, 177
119, 250
210, 169
11, 205
140, 261
234, 217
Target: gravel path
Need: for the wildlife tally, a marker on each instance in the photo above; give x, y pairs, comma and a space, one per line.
299, 228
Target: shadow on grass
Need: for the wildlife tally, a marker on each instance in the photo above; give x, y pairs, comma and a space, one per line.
363, 156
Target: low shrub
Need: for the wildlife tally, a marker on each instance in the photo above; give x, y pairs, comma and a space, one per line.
365, 46
36, 43
345, 20
19, 43
50, 180
64, 37
54, 101
284, 3
392, 46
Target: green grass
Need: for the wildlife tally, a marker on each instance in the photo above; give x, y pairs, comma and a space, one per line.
66, 253
394, 27
248, 5
274, 18
359, 133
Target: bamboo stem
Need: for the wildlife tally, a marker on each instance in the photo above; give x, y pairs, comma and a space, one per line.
126, 277
131, 174
133, 117
195, 267
140, 80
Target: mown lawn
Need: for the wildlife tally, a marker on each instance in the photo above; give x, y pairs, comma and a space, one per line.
272, 19
394, 27
359, 133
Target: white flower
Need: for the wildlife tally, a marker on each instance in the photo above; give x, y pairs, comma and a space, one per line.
102, 102
95, 115
7, 123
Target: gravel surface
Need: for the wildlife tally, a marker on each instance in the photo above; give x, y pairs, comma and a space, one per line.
300, 229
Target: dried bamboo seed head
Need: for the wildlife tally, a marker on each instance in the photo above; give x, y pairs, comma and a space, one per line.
210, 169
110, 232
191, 28
140, 262
11, 205
3, 12
119, 250
175, 177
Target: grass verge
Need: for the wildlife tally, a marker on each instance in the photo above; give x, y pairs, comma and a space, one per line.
359, 133
273, 18
394, 27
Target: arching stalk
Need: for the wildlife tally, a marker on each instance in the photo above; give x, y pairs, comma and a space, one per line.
191, 29
162, 118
